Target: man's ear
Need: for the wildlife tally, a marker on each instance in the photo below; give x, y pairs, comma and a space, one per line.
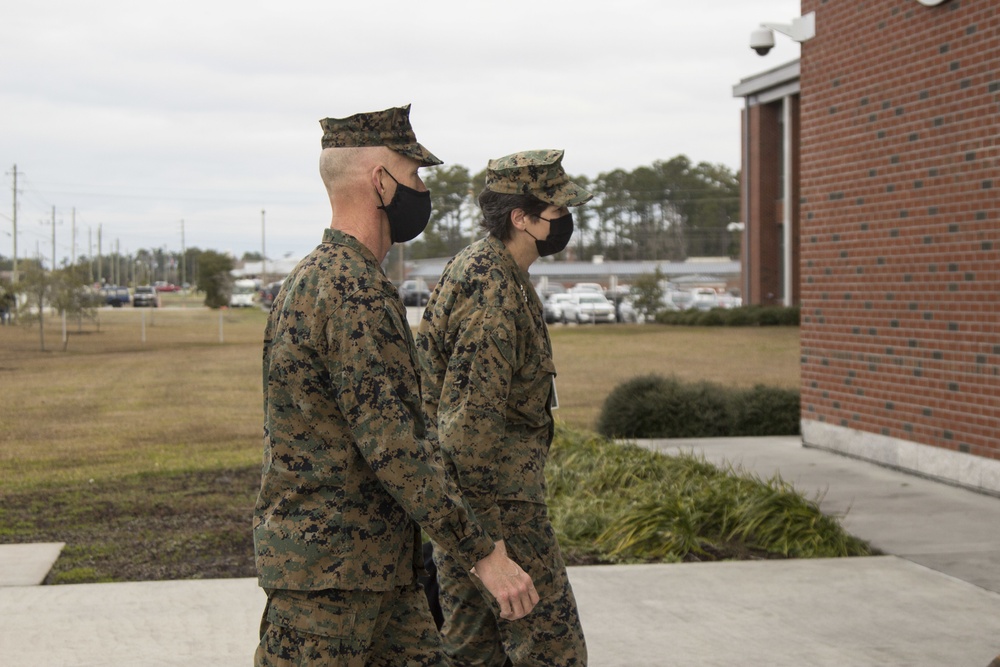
376, 179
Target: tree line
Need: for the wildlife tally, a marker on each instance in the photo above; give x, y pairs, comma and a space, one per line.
669, 210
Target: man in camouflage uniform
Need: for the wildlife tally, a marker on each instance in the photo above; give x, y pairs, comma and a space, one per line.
489, 387
347, 474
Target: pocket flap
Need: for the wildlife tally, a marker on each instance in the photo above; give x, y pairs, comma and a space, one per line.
311, 617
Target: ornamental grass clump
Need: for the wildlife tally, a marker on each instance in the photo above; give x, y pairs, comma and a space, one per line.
620, 503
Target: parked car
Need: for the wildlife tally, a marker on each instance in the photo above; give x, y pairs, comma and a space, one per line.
588, 307
675, 299
116, 296
729, 300
164, 286
244, 291
704, 298
627, 311
616, 296
549, 288
414, 293
553, 307
267, 294
586, 288
145, 296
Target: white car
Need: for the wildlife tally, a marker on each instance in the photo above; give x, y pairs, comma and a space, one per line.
678, 300
588, 307
586, 288
704, 298
243, 294
554, 307
627, 311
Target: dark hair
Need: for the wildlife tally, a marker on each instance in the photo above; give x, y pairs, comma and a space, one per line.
497, 208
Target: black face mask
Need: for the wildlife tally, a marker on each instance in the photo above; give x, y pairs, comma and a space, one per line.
408, 212
560, 231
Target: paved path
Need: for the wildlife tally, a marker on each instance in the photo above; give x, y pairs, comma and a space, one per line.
27, 564
946, 528
932, 604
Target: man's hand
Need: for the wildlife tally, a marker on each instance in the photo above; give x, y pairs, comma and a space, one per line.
509, 584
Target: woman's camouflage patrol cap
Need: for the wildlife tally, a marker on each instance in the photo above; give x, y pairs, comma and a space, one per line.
389, 128
537, 173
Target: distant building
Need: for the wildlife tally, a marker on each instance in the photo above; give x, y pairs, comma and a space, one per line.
720, 273
274, 268
892, 126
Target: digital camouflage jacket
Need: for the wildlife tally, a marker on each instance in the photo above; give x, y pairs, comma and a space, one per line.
488, 380
347, 473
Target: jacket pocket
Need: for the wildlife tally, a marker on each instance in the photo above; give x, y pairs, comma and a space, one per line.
312, 616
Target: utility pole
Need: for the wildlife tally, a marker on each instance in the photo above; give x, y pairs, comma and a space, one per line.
100, 257
183, 262
90, 253
263, 248
14, 218
72, 257
53, 238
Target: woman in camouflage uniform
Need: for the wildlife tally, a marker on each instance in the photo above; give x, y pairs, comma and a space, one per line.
488, 385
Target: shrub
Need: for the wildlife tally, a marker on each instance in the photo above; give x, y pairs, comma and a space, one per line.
740, 317
732, 317
766, 410
653, 406
712, 318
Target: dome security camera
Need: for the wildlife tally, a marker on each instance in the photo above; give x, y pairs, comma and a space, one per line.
762, 41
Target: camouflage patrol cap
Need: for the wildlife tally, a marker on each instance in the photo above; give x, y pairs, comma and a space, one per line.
537, 173
389, 128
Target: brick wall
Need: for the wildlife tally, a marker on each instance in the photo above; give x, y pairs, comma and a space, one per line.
900, 224
765, 213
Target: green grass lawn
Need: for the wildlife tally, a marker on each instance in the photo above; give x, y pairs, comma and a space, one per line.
138, 442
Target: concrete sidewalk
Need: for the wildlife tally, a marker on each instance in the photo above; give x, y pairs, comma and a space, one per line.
934, 602
27, 564
947, 528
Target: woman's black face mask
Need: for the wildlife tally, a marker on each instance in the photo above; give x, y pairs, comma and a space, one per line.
560, 231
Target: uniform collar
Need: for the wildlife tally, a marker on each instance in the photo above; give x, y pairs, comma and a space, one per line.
337, 237
521, 276
507, 257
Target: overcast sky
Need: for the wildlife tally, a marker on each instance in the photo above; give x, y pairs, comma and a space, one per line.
140, 115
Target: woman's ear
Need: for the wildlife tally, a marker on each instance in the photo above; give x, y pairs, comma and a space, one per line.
518, 218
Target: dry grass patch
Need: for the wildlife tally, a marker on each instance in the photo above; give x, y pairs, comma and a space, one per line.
112, 405
591, 361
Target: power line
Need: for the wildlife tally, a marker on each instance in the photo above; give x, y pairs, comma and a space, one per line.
79, 190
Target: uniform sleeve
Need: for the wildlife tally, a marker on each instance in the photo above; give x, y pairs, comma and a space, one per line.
372, 362
471, 413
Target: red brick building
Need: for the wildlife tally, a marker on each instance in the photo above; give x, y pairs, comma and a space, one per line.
895, 217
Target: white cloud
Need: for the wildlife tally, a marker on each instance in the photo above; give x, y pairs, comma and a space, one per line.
142, 115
